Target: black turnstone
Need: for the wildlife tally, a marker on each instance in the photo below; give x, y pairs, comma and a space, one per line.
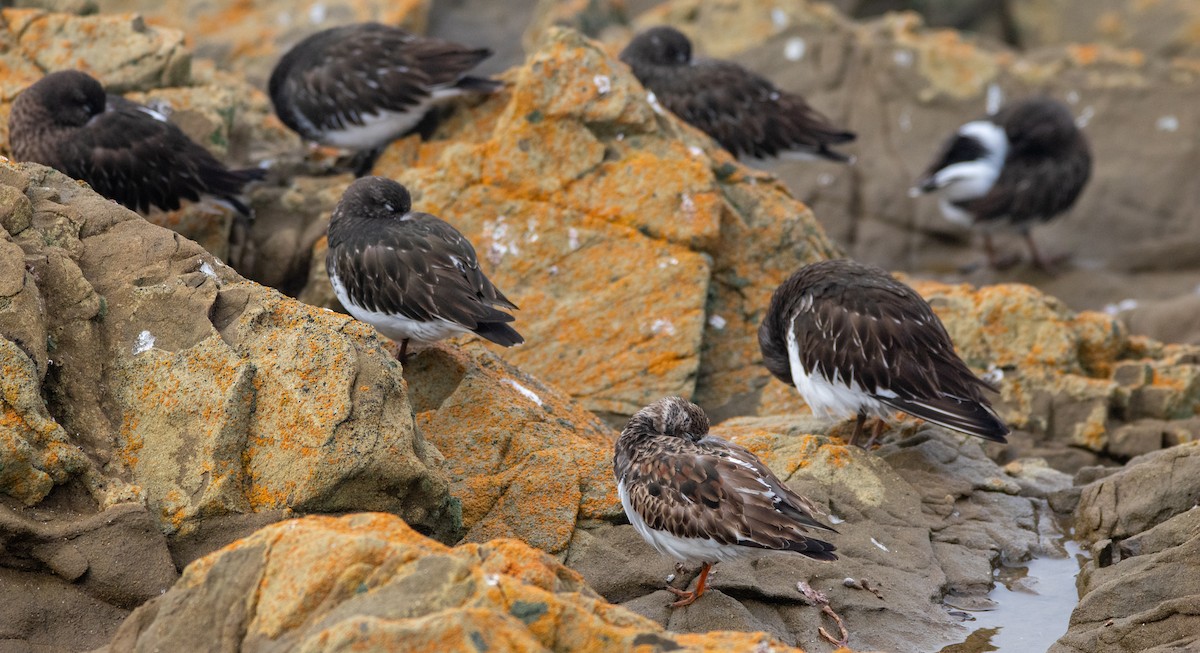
700, 499
743, 111
409, 274
855, 341
358, 87
127, 152
1024, 165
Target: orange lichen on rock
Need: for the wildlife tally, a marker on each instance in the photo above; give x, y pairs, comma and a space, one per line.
369, 581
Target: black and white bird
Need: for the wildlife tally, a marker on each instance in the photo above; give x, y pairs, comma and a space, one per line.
359, 87
744, 112
855, 341
409, 274
127, 152
1022, 166
702, 500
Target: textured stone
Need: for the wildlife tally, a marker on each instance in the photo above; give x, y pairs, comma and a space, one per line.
525, 461
211, 394
369, 581
249, 36
640, 255
1150, 490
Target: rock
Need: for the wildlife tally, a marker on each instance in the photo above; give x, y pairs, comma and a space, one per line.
368, 580
138, 368
1140, 590
1162, 29
924, 520
524, 460
1151, 489
903, 88
629, 243
250, 36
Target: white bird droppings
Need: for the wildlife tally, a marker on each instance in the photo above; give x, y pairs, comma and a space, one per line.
881, 546
695, 151
1121, 306
144, 343
207, 270
662, 326
779, 18
794, 49
716, 321
902, 58
834, 519
1167, 124
529, 394
572, 239
316, 13
995, 98
653, 100
603, 84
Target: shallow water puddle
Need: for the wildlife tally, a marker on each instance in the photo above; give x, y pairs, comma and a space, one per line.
1033, 606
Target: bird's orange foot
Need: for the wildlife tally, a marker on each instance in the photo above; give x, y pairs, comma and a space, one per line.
685, 597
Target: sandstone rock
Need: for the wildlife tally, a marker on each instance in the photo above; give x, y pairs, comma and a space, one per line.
525, 461
1150, 490
924, 520
250, 36
211, 394
1164, 28
1141, 588
369, 581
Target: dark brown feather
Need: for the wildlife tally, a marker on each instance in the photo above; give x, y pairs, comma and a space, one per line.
861, 323
743, 111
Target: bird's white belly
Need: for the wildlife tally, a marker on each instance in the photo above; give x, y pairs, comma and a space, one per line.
396, 327
380, 128
691, 550
830, 397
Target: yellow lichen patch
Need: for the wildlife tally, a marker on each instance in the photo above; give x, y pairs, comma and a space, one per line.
367, 581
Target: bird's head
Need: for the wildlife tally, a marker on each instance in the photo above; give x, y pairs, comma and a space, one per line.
70, 97
660, 46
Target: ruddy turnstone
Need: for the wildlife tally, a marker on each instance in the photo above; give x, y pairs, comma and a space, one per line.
1025, 165
358, 87
855, 341
409, 274
125, 151
700, 499
743, 111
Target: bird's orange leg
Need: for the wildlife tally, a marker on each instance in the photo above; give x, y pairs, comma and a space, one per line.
688, 598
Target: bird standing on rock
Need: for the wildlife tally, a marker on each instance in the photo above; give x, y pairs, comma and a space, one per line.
700, 499
743, 111
409, 274
359, 87
855, 341
127, 152
1022, 166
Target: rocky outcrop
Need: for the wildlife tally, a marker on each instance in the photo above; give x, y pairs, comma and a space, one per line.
138, 368
369, 581
903, 88
640, 255
1140, 590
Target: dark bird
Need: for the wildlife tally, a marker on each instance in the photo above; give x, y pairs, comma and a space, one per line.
700, 499
409, 274
359, 87
1025, 165
855, 341
125, 151
743, 111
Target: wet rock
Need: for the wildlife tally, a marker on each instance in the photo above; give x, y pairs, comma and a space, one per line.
1151, 489
368, 580
1141, 589
924, 521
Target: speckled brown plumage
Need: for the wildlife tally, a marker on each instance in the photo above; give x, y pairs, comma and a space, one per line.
701, 499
